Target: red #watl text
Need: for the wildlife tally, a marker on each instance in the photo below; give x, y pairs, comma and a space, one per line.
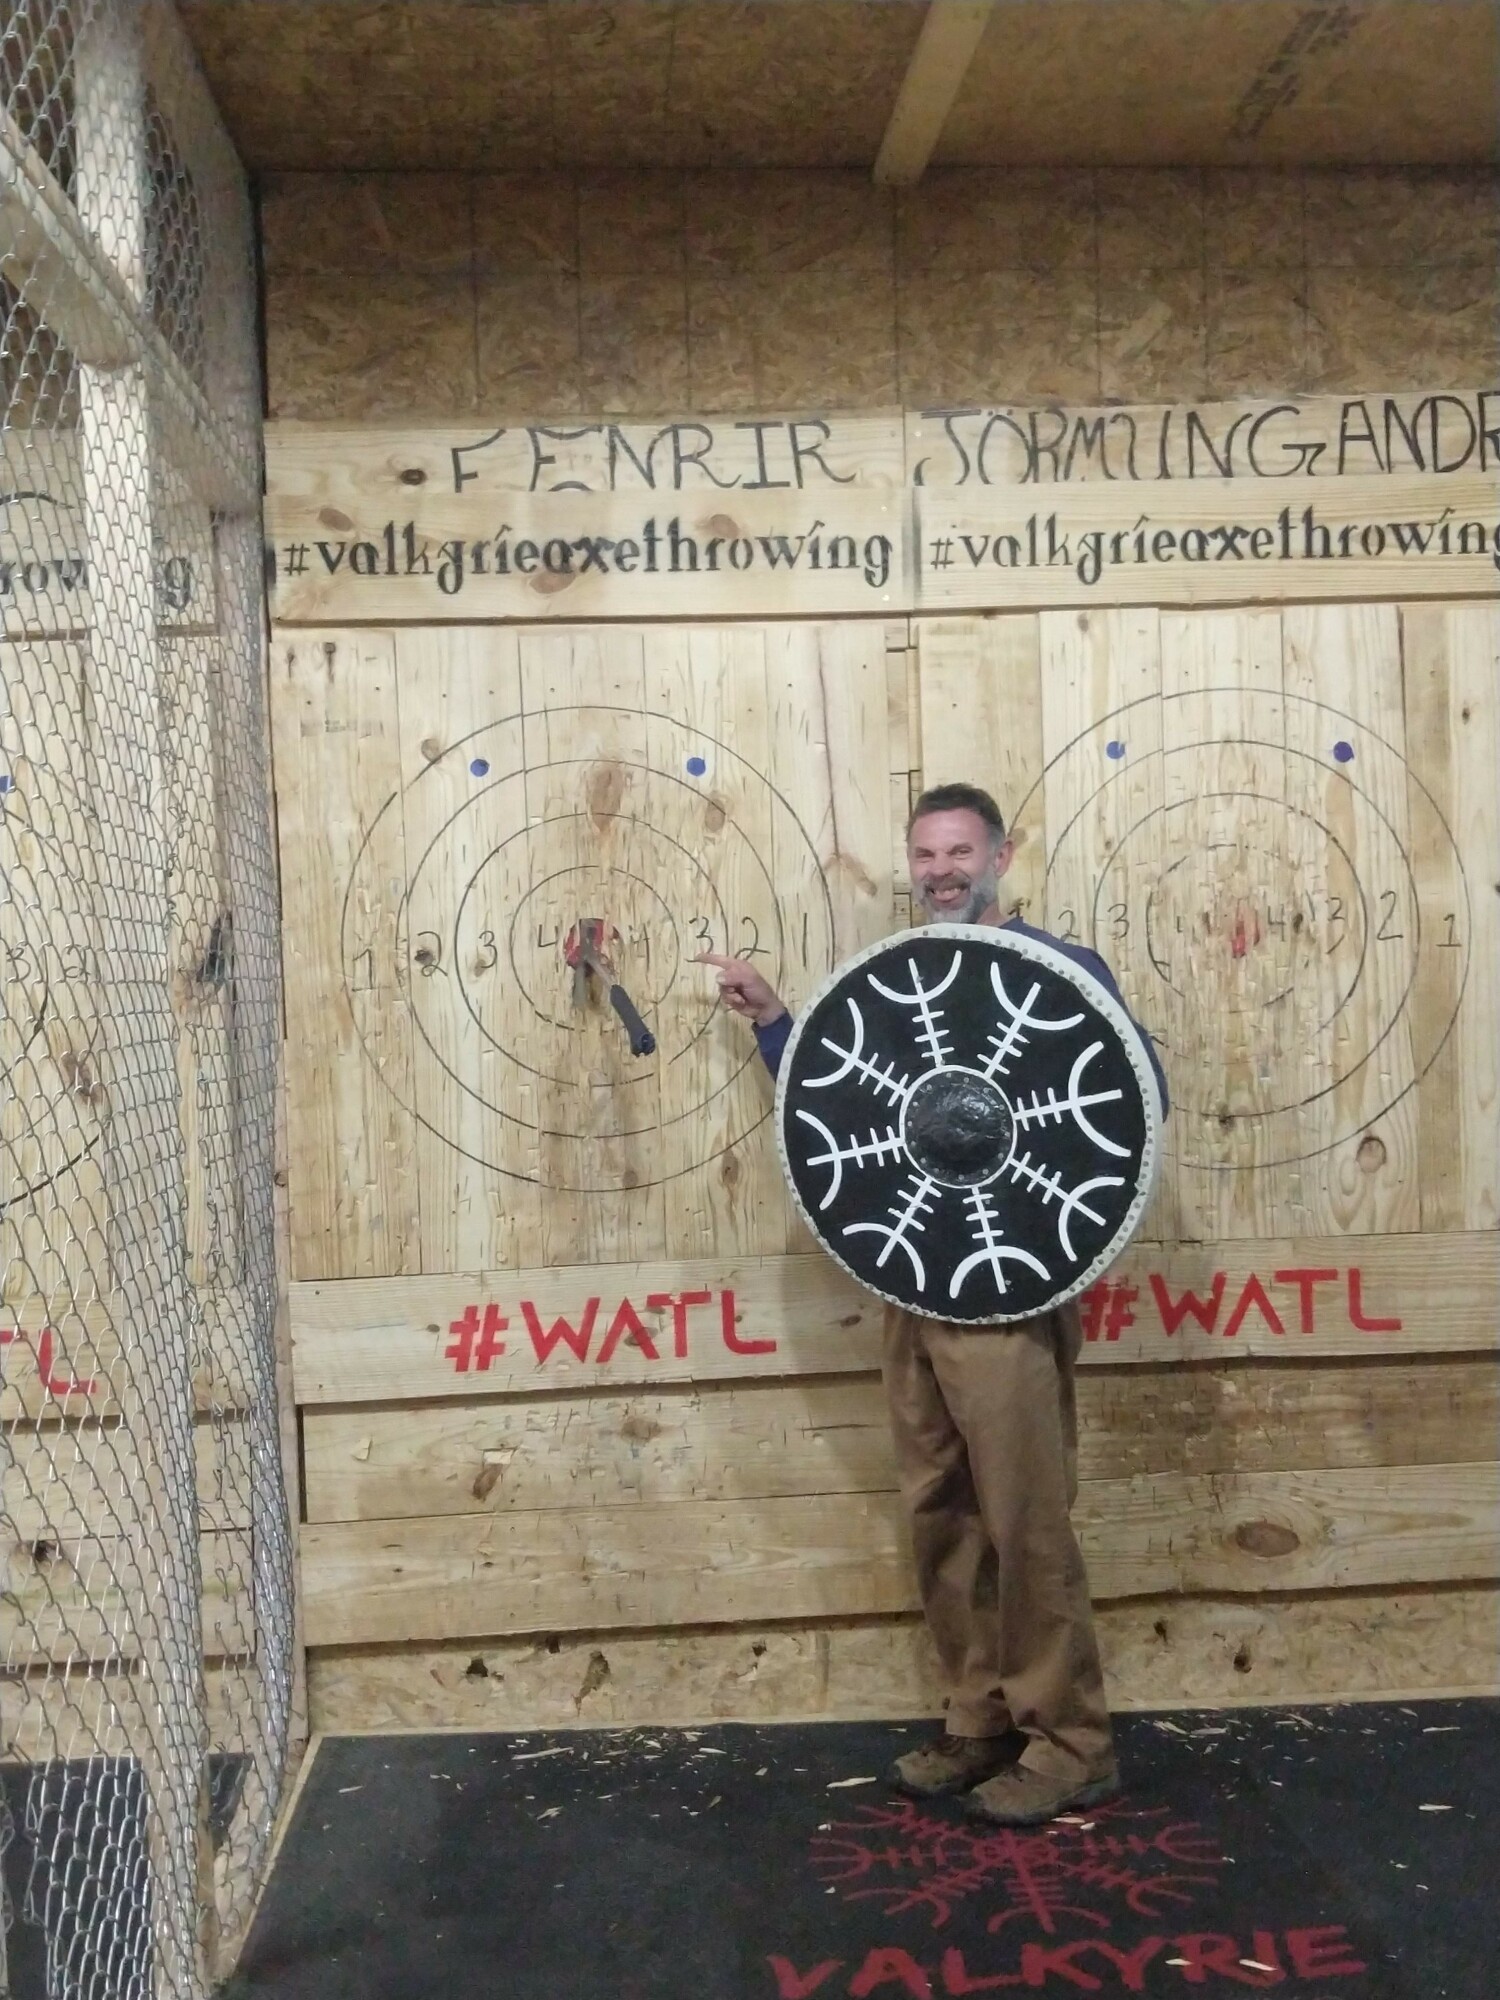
1111, 1306
669, 1325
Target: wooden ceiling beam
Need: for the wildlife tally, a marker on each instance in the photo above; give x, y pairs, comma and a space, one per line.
950, 34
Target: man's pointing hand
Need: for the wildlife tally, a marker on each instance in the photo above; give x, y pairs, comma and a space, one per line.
744, 990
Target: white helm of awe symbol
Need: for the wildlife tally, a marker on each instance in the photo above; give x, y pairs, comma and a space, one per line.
969, 1122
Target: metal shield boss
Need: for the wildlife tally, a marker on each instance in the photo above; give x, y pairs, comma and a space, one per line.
969, 1122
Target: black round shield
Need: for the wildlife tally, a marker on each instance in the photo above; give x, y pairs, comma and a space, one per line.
969, 1122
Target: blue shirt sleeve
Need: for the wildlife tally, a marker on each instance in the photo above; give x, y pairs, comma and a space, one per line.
772, 1040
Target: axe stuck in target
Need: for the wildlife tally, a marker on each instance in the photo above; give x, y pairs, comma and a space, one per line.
586, 949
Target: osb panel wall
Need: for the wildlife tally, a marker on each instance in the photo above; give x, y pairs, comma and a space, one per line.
1133, 80
414, 84
424, 83
429, 296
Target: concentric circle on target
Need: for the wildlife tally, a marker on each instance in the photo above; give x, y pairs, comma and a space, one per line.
637, 894
497, 847
634, 905
1246, 872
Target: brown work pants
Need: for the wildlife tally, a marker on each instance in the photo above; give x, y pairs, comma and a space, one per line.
985, 1426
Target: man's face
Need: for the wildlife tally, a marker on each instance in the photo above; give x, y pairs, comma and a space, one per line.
955, 865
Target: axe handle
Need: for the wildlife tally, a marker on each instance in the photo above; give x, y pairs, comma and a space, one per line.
642, 1041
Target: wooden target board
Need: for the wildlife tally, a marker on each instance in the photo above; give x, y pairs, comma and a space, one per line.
452, 804
1283, 839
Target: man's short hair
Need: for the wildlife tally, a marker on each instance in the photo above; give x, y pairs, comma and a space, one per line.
959, 798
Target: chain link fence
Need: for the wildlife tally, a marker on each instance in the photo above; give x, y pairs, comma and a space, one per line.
146, 1611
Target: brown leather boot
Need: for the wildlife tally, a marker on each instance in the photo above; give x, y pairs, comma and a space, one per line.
953, 1764
1023, 1797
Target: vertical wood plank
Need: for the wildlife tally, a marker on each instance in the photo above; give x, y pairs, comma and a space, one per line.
1103, 797
853, 704
1342, 668
588, 762
829, 757
904, 732
200, 950
724, 1188
981, 724
463, 804
353, 1181
1218, 946
829, 760
914, 780
1426, 645
1474, 708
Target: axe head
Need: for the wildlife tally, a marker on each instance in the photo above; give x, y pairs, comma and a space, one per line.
587, 945
586, 950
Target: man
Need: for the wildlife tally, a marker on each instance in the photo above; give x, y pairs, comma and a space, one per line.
984, 1423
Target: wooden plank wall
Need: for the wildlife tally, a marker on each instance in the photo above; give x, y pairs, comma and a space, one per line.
591, 1433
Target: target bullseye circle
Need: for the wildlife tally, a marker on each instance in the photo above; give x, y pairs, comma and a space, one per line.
969, 1122
631, 908
1209, 876
524, 955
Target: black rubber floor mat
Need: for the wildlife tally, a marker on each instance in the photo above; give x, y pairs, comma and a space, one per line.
1326, 1854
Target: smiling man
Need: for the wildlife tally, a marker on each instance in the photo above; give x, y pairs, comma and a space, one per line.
985, 1430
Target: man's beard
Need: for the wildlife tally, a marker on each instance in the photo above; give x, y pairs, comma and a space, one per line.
983, 889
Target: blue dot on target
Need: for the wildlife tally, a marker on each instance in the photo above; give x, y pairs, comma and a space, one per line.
480, 766
7, 782
1344, 752
1114, 748
697, 766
